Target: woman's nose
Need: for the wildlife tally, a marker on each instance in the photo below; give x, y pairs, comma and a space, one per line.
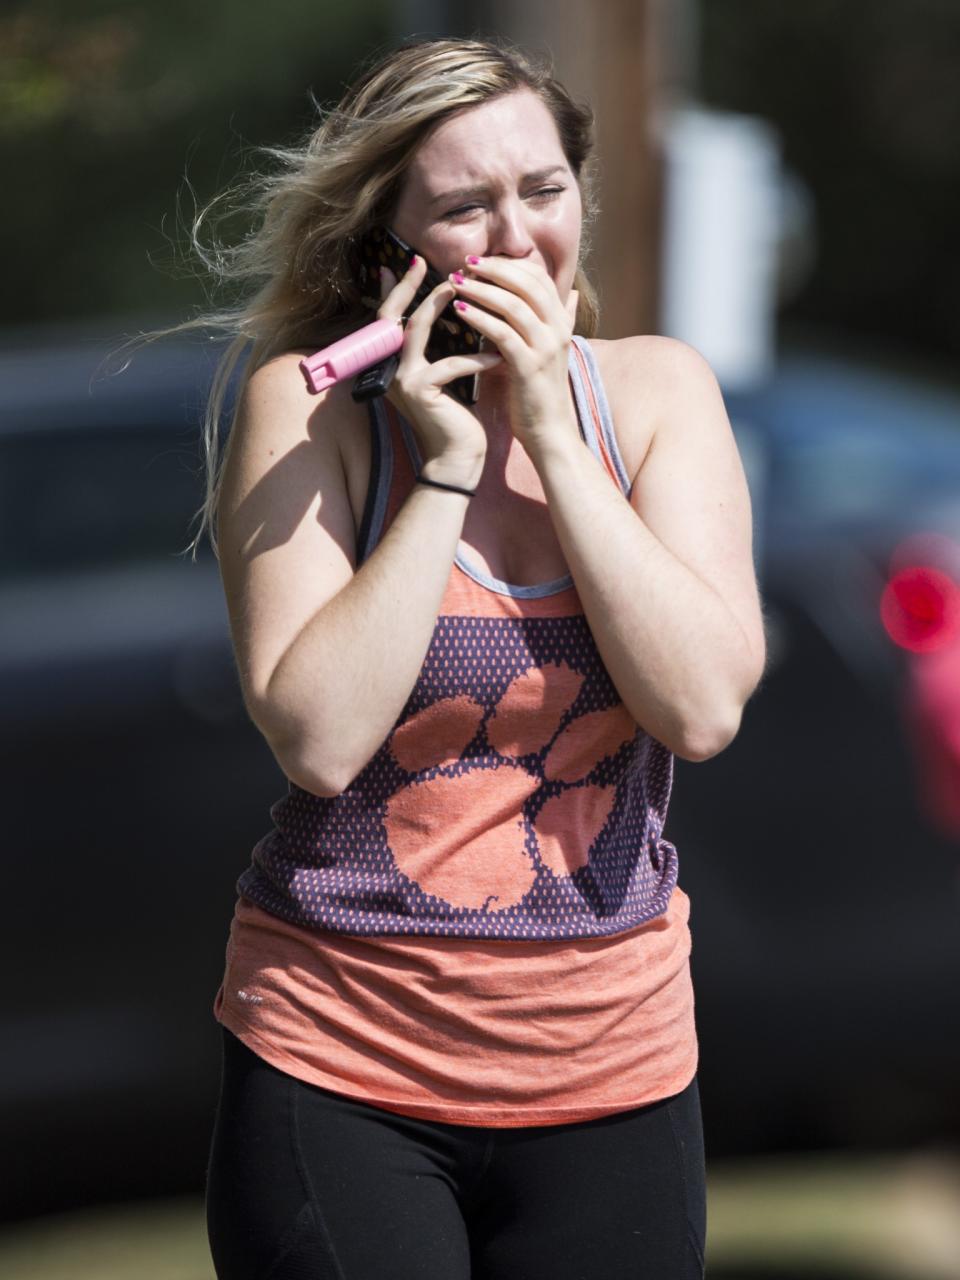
508, 233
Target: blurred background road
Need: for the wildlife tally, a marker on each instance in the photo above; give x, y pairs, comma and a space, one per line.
780, 187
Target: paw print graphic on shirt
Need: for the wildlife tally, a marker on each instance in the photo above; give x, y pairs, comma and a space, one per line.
454, 827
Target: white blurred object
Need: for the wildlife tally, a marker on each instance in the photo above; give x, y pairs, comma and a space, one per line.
729, 210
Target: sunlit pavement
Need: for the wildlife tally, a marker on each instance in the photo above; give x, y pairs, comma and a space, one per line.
796, 1218
839, 1218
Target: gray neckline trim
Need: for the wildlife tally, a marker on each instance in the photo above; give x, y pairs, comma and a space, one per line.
519, 591
606, 417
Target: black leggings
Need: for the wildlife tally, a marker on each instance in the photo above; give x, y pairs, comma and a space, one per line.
305, 1184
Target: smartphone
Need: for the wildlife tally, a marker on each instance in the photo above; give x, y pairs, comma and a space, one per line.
450, 335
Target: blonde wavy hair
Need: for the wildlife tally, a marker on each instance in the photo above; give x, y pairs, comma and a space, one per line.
294, 272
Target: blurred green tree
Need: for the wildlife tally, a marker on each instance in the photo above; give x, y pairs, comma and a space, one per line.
114, 113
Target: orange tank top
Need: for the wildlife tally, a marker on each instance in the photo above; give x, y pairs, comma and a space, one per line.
485, 927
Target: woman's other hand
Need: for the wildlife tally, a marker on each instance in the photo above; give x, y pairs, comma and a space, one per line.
514, 304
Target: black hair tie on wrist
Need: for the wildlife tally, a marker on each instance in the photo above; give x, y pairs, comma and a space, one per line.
454, 488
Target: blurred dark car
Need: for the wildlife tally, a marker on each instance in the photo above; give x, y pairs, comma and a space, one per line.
825, 897
822, 849
134, 784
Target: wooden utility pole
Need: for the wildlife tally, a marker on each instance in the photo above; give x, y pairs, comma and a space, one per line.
607, 53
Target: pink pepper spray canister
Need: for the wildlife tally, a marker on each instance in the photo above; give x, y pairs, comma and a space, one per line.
352, 354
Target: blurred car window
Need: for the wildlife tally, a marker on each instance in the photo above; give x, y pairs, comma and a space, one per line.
103, 498
100, 454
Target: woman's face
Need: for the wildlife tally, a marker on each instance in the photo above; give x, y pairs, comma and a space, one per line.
493, 181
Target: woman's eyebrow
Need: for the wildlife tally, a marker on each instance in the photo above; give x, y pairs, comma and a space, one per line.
481, 188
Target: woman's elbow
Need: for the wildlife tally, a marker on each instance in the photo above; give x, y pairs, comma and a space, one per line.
705, 737
306, 767
698, 746
318, 783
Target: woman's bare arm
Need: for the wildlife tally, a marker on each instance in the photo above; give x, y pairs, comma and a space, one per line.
666, 578
327, 653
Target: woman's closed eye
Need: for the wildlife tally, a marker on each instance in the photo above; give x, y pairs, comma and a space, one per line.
542, 194
463, 211
546, 193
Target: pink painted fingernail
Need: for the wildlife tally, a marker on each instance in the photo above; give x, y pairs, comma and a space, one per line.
472, 259
414, 260
457, 277
461, 306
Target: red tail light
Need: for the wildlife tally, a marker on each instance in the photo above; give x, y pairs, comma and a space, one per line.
920, 608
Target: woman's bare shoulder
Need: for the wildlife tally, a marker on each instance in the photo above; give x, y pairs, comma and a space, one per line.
281, 434
281, 372
646, 360
332, 416
279, 387
648, 379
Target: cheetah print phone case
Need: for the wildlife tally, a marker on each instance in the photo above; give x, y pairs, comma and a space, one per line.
450, 336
